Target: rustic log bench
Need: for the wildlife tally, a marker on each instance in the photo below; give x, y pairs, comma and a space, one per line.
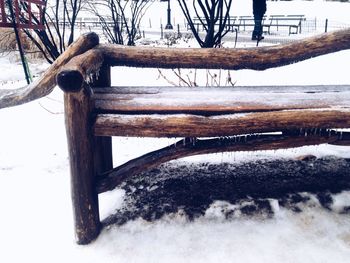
95, 111
235, 118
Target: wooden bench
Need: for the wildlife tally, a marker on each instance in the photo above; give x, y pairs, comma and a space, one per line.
235, 118
95, 111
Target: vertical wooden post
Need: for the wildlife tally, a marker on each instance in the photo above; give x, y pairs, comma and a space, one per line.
81, 147
103, 145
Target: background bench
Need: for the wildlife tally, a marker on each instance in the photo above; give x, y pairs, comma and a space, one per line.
245, 23
292, 22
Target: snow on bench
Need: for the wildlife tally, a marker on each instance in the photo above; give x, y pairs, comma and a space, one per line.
178, 111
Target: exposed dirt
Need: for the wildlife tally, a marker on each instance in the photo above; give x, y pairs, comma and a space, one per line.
192, 188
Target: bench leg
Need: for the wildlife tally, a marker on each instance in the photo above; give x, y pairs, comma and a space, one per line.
81, 143
103, 145
103, 154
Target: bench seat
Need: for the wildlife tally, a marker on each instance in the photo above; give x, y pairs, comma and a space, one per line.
218, 100
218, 111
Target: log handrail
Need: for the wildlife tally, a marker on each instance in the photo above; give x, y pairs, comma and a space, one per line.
259, 58
47, 82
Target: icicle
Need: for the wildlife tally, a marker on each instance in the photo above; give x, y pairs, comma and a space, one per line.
90, 78
97, 73
341, 135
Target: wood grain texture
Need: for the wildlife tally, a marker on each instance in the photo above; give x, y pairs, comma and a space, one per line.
103, 145
78, 70
81, 157
209, 101
259, 58
46, 83
223, 125
193, 146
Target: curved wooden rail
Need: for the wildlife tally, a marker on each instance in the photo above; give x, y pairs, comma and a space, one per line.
259, 58
193, 146
47, 82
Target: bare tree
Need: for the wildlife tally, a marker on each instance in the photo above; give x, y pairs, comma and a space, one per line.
122, 20
212, 15
59, 20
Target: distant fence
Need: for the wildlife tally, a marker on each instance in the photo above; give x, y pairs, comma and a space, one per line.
275, 35
322, 25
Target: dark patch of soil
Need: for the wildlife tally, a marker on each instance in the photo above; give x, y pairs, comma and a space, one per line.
192, 188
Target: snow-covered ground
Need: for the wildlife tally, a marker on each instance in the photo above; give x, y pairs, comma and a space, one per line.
36, 220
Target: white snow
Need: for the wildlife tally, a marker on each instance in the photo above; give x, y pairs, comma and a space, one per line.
36, 219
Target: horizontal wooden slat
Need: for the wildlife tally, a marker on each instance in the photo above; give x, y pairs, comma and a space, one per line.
222, 125
218, 100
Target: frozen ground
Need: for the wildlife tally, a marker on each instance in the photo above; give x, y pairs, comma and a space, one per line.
36, 220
